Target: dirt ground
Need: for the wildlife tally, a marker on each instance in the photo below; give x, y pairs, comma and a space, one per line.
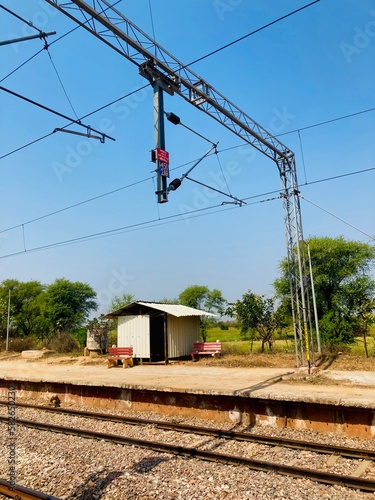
342, 362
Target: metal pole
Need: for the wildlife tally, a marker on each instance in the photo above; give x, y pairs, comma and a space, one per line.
166, 338
314, 303
161, 180
26, 38
8, 323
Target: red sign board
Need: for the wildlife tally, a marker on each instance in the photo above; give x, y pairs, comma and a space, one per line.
162, 155
162, 162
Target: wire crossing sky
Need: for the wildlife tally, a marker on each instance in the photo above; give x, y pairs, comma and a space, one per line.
301, 77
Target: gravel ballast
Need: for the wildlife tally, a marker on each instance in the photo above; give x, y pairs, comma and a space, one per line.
70, 467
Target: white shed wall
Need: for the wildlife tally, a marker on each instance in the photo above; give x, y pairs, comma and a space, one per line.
182, 333
134, 331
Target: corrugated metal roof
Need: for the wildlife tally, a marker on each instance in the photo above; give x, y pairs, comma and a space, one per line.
176, 310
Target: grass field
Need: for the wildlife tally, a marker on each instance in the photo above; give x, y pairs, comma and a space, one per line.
234, 344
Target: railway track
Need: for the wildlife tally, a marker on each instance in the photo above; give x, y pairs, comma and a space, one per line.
207, 431
22, 493
353, 481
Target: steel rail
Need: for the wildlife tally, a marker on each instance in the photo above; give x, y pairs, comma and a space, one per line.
219, 433
17, 491
259, 465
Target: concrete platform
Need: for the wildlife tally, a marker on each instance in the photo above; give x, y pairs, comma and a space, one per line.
330, 401
330, 387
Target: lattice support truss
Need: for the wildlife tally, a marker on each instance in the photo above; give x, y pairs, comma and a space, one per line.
109, 25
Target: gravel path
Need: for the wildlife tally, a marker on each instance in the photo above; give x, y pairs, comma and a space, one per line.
81, 469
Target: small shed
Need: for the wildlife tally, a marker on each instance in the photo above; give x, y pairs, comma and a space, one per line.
157, 331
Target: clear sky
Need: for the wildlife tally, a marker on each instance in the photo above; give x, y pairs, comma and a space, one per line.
314, 66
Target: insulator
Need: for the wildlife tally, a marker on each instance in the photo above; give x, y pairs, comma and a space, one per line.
176, 183
173, 118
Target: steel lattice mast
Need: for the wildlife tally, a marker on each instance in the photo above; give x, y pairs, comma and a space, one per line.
166, 73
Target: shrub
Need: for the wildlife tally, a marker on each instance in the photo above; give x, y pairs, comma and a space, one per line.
112, 338
80, 335
20, 344
63, 343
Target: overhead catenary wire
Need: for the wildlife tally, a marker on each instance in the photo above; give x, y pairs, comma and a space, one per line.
52, 42
61, 115
237, 200
213, 209
250, 34
21, 65
61, 83
326, 122
338, 218
29, 23
104, 11
113, 191
132, 227
75, 205
82, 118
302, 155
152, 21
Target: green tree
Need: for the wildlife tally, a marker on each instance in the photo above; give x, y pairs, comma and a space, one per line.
201, 297
117, 303
361, 302
121, 301
68, 304
341, 272
256, 312
25, 306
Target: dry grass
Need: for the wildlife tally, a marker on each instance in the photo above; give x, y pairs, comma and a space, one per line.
344, 362
287, 360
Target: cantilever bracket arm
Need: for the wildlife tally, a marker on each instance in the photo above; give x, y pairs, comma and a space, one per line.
88, 134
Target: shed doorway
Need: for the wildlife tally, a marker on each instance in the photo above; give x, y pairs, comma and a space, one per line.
157, 338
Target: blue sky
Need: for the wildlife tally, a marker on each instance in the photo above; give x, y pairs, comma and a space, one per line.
315, 66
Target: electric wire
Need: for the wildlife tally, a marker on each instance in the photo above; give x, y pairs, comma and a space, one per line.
29, 23
298, 130
152, 22
175, 217
64, 209
27, 145
61, 83
302, 155
250, 34
51, 43
156, 201
327, 121
102, 195
109, 232
21, 65
240, 202
338, 218
233, 147
190, 213
130, 228
221, 169
46, 108
82, 118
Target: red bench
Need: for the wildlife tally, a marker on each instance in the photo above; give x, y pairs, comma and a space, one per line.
123, 354
206, 349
